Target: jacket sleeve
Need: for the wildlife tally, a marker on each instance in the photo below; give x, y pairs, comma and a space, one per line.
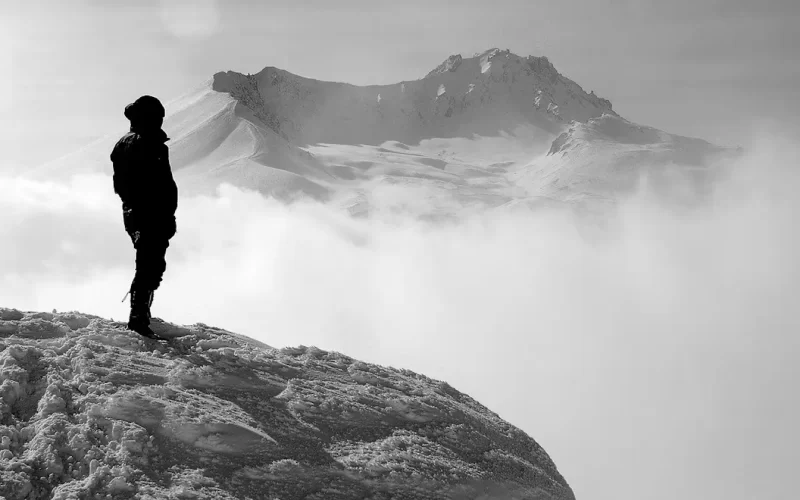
121, 171
173, 195
170, 188
128, 171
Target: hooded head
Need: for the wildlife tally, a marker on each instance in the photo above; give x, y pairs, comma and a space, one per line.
145, 113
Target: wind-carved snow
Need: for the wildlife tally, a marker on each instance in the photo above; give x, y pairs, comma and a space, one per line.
441, 90
486, 58
91, 410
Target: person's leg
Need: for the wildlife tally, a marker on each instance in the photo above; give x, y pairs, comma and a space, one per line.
150, 262
150, 267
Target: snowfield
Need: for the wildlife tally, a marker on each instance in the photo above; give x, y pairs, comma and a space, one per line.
90, 410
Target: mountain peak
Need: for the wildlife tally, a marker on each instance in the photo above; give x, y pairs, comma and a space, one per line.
539, 64
450, 64
493, 52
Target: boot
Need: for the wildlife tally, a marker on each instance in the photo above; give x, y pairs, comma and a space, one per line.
139, 320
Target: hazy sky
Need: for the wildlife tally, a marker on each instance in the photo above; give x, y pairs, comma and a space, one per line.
699, 68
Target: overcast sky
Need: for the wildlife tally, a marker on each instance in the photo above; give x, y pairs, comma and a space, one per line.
708, 68
661, 366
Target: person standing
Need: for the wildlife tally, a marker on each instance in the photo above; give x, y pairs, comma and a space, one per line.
144, 182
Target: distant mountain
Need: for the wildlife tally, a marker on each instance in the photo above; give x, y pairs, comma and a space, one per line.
485, 94
487, 131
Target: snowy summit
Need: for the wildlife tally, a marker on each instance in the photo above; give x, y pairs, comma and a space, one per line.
90, 410
459, 97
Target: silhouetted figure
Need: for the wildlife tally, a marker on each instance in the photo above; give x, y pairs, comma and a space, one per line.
143, 180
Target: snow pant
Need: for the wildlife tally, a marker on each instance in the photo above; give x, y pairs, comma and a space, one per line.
151, 251
150, 237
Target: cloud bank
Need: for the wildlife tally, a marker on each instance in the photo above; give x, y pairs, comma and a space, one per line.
658, 362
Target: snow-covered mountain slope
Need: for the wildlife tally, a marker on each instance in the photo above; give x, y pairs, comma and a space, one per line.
90, 410
609, 156
493, 130
486, 94
214, 139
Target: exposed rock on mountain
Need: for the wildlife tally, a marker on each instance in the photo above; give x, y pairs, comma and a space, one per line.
485, 94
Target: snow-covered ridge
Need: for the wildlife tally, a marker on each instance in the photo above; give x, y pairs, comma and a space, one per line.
461, 94
450, 64
90, 410
607, 157
619, 131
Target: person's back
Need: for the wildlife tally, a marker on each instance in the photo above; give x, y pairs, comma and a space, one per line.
143, 180
142, 174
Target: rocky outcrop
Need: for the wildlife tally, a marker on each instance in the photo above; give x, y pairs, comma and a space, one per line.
449, 65
89, 410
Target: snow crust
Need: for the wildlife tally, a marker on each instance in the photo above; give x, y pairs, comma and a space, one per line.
90, 410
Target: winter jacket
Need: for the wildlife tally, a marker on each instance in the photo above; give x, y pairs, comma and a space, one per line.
143, 180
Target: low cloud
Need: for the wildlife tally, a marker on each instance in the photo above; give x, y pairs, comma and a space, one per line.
658, 362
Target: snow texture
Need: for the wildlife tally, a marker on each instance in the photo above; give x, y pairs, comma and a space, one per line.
90, 410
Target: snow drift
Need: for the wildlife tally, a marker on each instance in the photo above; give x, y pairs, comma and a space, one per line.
88, 409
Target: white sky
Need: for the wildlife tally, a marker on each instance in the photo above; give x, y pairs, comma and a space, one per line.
702, 69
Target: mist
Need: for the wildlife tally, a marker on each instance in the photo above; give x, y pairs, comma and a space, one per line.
659, 361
